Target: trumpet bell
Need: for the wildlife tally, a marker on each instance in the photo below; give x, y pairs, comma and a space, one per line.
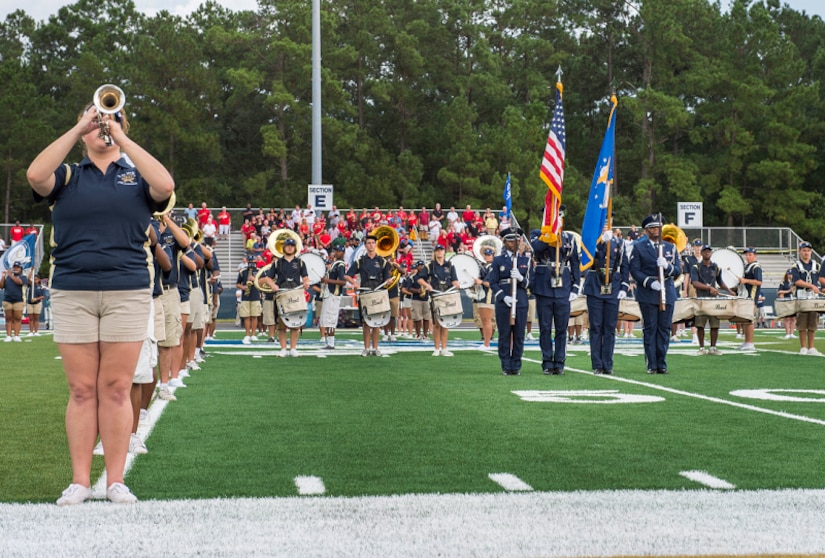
276, 240
675, 235
487, 241
387, 241
109, 99
191, 229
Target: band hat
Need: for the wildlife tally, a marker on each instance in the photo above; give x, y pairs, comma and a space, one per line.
439, 247
651, 221
749, 251
510, 234
697, 242
801, 246
290, 242
707, 247
17, 264
419, 263
489, 252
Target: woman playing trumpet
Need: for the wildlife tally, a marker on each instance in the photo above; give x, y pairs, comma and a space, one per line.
101, 283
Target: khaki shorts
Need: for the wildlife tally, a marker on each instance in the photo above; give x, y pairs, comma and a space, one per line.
13, 307
701, 321
207, 314
32, 309
421, 311
807, 321
215, 307
186, 308
250, 309
268, 312
395, 304
172, 324
159, 324
148, 358
531, 310
92, 316
196, 316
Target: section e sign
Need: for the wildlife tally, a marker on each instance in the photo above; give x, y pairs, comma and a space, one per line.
320, 196
690, 215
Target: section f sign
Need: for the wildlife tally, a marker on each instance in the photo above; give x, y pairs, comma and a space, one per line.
690, 215
320, 196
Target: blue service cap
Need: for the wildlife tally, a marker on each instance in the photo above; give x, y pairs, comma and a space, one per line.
801, 245
749, 251
697, 242
17, 264
651, 221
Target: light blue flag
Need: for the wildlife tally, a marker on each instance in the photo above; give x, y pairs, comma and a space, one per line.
508, 196
598, 202
20, 252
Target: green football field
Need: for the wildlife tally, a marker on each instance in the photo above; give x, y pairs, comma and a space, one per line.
250, 424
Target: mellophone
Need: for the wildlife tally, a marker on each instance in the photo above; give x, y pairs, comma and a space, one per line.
731, 308
790, 306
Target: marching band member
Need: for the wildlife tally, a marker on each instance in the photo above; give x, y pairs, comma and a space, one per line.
420, 307
752, 282
647, 268
705, 277
394, 293
34, 303
100, 332
438, 275
334, 284
251, 307
372, 271
288, 272
501, 278
175, 243
556, 283
13, 282
485, 306
605, 284
805, 276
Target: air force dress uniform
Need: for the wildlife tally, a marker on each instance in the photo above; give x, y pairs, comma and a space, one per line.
605, 287
502, 273
644, 268
555, 289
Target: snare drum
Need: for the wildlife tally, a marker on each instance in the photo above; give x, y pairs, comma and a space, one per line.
292, 307
467, 270
811, 305
784, 307
745, 308
683, 310
629, 310
374, 302
447, 308
578, 306
719, 307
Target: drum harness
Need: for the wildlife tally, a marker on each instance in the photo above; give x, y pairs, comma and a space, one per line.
750, 271
373, 281
807, 275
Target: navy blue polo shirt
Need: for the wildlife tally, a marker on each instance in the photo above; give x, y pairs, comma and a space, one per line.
174, 251
287, 275
100, 224
373, 271
12, 291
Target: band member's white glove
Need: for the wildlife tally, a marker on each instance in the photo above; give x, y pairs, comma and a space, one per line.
508, 300
607, 236
656, 286
516, 274
573, 296
622, 295
661, 261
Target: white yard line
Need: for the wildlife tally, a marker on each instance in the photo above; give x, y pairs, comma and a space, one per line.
310, 486
510, 482
707, 479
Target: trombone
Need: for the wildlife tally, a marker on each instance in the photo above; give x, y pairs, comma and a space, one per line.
108, 99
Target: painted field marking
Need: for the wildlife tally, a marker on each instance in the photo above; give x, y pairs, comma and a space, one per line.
310, 486
707, 479
586, 396
510, 482
696, 396
777, 395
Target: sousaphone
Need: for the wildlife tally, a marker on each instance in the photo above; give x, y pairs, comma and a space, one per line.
276, 239
486, 241
386, 244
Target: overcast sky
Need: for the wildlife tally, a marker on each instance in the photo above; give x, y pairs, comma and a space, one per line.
42, 9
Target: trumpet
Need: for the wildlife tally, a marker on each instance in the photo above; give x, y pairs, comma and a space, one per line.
108, 99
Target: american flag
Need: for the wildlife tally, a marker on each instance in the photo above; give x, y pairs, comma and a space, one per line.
552, 171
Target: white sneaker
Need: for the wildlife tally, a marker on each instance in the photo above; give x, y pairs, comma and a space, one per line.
674, 338
198, 359
253, 338
98, 448
529, 337
137, 446
793, 336
294, 353
385, 337
166, 395
803, 351
75, 494
184, 374
246, 340
37, 334
813, 352
393, 338
176, 383
377, 352
747, 347
437, 352
702, 351
694, 341
445, 352
192, 365
714, 351
17, 339
740, 335
144, 416
365, 353
284, 353
119, 493
9, 339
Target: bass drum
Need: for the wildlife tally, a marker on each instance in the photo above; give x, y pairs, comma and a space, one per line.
316, 267
731, 264
467, 270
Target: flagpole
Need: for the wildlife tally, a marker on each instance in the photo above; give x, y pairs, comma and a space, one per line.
610, 191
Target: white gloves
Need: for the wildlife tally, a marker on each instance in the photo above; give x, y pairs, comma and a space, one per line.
508, 300
656, 286
661, 261
607, 236
516, 274
622, 295
573, 296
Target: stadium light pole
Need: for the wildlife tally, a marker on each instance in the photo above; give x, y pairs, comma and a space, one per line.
316, 92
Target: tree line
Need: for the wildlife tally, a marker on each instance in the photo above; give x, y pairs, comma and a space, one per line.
437, 100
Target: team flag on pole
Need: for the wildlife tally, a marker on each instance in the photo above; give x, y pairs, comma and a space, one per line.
508, 196
552, 171
22, 252
599, 200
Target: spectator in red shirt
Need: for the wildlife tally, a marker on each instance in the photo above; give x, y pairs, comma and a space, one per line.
424, 223
203, 215
443, 239
31, 229
469, 216
412, 222
16, 233
248, 229
224, 222
401, 214
377, 216
352, 220
467, 240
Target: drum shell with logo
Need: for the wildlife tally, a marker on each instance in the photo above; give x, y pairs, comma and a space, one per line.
629, 310
292, 307
744, 309
784, 307
578, 306
722, 308
811, 305
683, 310
374, 302
447, 308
